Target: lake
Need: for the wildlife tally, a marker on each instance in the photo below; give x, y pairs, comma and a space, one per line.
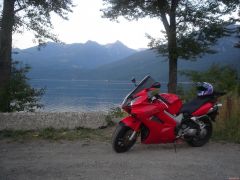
83, 95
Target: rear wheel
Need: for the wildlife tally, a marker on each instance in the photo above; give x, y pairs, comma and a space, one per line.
121, 139
203, 135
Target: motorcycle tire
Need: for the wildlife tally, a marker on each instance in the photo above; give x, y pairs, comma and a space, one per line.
120, 140
200, 141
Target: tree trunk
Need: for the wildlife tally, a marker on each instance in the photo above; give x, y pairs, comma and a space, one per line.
6, 42
173, 63
172, 82
6, 52
172, 49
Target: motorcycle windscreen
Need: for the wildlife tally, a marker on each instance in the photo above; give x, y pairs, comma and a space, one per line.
147, 82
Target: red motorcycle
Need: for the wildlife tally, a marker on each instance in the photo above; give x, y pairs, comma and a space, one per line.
162, 118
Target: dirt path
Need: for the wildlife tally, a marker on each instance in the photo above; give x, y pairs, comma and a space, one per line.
95, 160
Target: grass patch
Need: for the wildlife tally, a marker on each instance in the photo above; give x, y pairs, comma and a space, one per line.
115, 112
58, 134
102, 134
15, 134
227, 126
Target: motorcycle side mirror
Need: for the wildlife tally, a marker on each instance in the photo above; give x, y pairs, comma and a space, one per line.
134, 81
156, 85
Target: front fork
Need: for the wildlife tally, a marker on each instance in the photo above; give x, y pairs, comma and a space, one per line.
133, 136
133, 123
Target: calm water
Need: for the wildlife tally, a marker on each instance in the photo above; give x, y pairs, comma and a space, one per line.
83, 95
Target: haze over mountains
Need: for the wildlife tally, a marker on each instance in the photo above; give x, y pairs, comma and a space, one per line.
150, 62
114, 61
82, 56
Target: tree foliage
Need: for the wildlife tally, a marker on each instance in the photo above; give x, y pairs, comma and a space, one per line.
17, 16
35, 16
198, 23
190, 27
223, 79
19, 93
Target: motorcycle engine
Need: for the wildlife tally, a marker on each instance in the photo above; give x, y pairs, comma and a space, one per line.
187, 129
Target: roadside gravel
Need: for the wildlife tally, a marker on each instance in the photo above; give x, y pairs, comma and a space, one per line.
91, 160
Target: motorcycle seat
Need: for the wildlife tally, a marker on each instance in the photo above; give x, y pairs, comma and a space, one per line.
193, 105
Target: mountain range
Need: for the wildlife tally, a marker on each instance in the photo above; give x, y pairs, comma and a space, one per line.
64, 61
150, 62
115, 61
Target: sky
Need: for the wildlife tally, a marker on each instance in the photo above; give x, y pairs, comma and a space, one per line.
86, 23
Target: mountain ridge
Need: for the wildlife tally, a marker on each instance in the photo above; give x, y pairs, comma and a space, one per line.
150, 62
115, 61
88, 55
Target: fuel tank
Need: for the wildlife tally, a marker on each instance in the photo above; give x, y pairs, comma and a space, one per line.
173, 102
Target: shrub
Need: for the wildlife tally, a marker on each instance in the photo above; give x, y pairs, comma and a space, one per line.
18, 95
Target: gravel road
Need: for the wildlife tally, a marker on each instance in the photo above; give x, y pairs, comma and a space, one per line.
91, 160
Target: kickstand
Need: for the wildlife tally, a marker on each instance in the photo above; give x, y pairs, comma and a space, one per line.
175, 147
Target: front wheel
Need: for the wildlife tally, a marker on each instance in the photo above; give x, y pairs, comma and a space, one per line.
121, 139
203, 135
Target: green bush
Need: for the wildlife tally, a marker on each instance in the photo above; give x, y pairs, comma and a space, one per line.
116, 112
18, 95
223, 78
